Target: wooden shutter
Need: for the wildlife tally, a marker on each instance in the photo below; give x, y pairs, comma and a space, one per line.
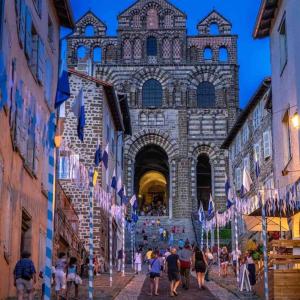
267, 144
22, 23
28, 36
40, 60
48, 82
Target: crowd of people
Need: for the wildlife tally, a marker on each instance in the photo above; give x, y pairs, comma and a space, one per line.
65, 275
178, 262
153, 209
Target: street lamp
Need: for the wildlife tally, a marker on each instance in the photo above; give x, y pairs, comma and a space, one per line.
296, 120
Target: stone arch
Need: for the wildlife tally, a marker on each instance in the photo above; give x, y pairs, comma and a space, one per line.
147, 73
150, 136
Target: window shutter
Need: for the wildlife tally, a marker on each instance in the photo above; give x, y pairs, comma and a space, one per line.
22, 23
267, 144
48, 83
28, 37
40, 61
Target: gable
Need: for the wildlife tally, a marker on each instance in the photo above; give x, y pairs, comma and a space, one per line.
90, 19
142, 6
214, 17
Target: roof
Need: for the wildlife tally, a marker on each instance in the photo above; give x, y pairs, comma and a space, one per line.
264, 86
264, 19
113, 100
89, 12
213, 12
125, 113
64, 12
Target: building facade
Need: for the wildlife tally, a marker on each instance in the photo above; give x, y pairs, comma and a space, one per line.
107, 122
279, 21
29, 54
183, 99
250, 145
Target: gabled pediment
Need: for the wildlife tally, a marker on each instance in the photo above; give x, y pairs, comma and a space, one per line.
214, 18
89, 19
143, 5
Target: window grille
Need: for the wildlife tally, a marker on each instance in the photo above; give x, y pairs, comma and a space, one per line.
152, 93
206, 95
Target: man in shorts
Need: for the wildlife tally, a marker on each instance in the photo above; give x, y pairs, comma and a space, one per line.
60, 275
172, 269
25, 276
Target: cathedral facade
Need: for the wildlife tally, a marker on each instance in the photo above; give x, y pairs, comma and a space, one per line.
183, 98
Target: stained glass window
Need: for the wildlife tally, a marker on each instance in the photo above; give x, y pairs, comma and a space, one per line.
152, 93
177, 49
127, 49
151, 46
137, 51
166, 48
206, 95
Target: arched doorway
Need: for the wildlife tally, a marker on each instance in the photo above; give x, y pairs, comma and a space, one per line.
204, 182
151, 181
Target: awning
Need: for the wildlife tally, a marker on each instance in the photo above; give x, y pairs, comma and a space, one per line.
254, 223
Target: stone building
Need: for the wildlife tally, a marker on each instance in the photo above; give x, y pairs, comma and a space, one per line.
107, 123
29, 54
183, 99
250, 140
279, 20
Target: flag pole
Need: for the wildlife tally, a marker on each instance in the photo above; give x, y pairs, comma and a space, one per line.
123, 239
91, 240
51, 202
265, 248
132, 244
236, 242
218, 243
110, 248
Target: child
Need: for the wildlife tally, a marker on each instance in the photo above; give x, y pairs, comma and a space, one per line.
72, 277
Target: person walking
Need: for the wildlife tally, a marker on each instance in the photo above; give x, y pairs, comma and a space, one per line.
224, 259
120, 259
185, 257
25, 276
210, 260
155, 269
200, 266
72, 277
138, 261
60, 275
251, 268
172, 269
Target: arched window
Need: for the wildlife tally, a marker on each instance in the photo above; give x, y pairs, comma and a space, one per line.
207, 53
97, 54
89, 30
152, 93
214, 29
81, 52
206, 96
151, 46
137, 50
168, 21
136, 21
127, 49
223, 54
166, 48
204, 180
176, 49
152, 19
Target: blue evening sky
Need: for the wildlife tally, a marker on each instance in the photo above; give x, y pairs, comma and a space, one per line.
253, 55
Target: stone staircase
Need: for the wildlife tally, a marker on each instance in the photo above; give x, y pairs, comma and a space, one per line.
184, 230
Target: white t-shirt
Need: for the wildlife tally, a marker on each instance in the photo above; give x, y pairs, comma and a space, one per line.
138, 258
167, 253
235, 254
161, 230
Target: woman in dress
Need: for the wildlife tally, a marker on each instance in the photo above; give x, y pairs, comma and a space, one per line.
155, 269
199, 265
138, 262
224, 260
72, 277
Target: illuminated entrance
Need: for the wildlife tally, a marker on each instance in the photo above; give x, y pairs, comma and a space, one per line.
152, 181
